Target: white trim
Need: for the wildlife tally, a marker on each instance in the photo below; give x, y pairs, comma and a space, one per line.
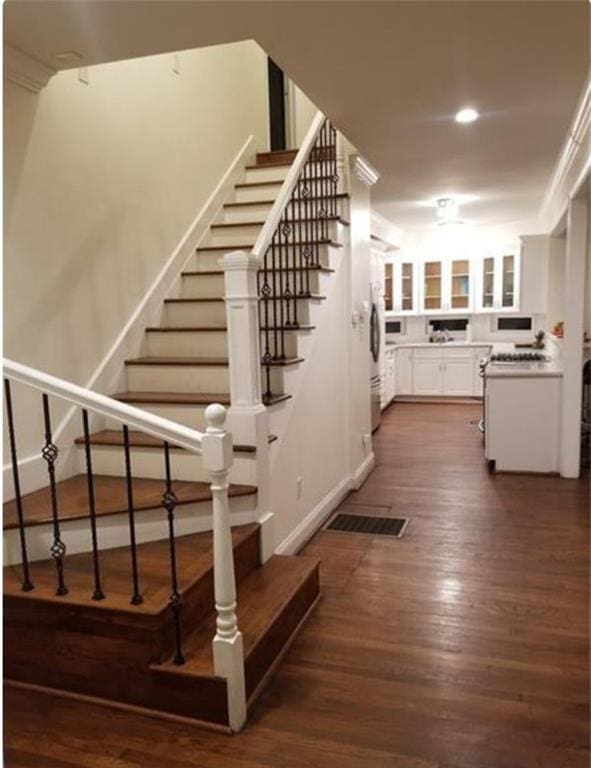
107, 376
312, 522
364, 170
164, 429
576, 150
24, 70
272, 222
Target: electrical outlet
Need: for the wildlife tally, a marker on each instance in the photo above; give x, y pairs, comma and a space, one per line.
299, 484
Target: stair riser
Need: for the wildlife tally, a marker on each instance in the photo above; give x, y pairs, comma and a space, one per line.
149, 463
188, 344
189, 415
273, 314
202, 286
260, 212
177, 378
248, 194
232, 237
270, 173
113, 530
210, 314
326, 256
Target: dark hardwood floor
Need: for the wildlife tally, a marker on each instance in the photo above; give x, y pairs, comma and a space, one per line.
463, 645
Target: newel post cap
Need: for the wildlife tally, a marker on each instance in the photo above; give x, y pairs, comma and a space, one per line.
216, 443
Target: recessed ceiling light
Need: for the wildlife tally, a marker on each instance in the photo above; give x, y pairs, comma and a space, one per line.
467, 115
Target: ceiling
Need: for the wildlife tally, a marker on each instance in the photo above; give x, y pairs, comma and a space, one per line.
391, 75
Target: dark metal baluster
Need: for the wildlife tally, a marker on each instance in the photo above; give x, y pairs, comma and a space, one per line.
334, 174
265, 290
324, 181
275, 277
280, 322
58, 548
283, 235
309, 247
27, 584
136, 598
169, 502
98, 593
301, 235
291, 214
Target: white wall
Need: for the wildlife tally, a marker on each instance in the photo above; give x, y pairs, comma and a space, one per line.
588, 273
302, 111
556, 284
101, 182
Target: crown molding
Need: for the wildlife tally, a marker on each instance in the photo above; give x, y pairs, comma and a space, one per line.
364, 171
24, 70
573, 162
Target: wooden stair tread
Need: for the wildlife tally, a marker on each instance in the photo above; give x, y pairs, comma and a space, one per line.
234, 224
267, 159
278, 183
213, 361
194, 561
250, 246
114, 437
261, 597
186, 329
312, 268
110, 498
275, 399
173, 398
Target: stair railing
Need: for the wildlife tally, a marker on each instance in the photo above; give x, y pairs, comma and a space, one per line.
215, 447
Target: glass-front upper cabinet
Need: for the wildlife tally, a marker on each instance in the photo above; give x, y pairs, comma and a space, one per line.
399, 287
460, 284
499, 283
433, 285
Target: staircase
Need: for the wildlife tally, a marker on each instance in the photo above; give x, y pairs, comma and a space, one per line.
176, 621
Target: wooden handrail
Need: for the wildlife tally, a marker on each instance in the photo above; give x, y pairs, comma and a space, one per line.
272, 222
164, 429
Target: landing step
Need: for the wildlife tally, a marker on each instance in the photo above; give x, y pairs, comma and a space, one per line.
271, 602
186, 328
275, 157
232, 225
311, 268
204, 361
113, 437
110, 498
194, 564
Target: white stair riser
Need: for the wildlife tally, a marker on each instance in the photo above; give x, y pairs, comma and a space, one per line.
149, 462
257, 192
189, 415
202, 286
211, 314
113, 530
247, 213
326, 256
273, 313
231, 236
260, 212
177, 378
266, 173
188, 344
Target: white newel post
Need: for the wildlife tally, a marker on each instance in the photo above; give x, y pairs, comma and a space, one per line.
248, 418
228, 652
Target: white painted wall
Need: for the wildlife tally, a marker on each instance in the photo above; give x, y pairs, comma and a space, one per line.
556, 285
101, 183
303, 112
588, 274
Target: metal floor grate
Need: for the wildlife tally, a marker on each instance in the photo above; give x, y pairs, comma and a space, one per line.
377, 526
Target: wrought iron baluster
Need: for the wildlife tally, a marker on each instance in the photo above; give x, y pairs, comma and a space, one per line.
98, 593
301, 235
283, 235
334, 175
280, 322
27, 584
136, 598
323, 182
169, 502
50, 453
294, 256
275, 277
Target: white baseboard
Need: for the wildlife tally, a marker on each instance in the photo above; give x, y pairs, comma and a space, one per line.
109, 374
312, 522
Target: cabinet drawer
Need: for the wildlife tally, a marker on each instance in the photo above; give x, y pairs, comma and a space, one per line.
458, 354
421, 353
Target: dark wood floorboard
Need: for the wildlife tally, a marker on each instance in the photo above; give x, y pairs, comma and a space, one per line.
462, 645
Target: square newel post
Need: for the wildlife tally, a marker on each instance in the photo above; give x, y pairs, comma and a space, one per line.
228, 650
248, 418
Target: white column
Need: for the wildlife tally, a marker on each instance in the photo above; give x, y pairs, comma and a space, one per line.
248, 417
228, 651
572, 347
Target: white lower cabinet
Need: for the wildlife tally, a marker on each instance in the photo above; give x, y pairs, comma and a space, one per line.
427, 372
404, 371
439, 372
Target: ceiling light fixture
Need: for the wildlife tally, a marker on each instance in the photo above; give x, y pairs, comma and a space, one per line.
447, 208
467, 115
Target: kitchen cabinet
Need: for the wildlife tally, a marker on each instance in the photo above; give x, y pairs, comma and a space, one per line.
447, 285
400, 294
439, 371
499, 283
404, 371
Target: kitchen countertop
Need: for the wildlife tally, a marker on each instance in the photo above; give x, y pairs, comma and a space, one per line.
552, 369
439, 345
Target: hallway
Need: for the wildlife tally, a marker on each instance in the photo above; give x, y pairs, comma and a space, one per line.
463, 645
